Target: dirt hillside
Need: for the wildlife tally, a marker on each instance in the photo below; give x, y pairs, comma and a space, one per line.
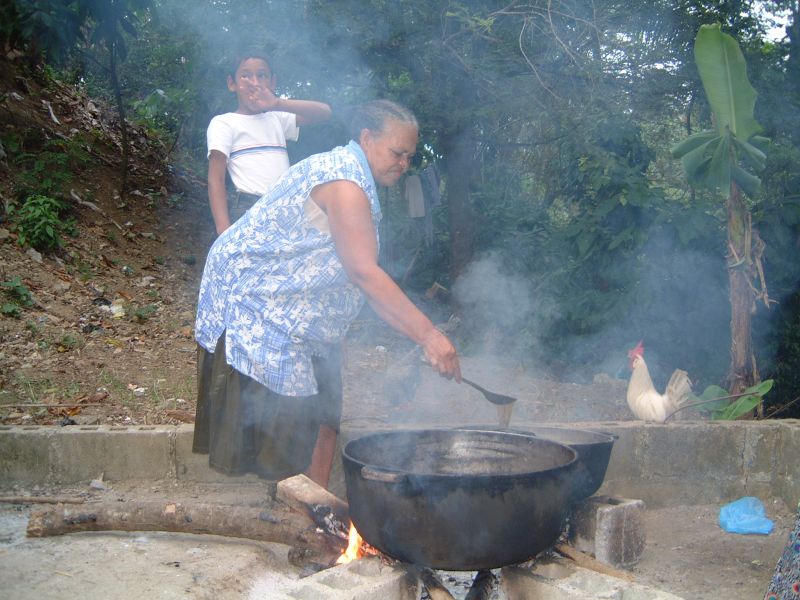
103, 324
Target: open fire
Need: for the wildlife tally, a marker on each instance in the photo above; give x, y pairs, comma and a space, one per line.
481, 587
354, 548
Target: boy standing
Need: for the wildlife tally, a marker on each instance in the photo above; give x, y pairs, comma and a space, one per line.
250, 144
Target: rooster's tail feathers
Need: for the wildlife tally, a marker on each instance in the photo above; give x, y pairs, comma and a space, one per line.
679, 387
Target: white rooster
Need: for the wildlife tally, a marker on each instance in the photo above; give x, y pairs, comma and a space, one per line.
645, 402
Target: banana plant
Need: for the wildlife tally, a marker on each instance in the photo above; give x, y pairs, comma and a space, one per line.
724, 160
713, 159
728, 407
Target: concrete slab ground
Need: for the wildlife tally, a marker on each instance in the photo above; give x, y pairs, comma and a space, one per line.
682, 471
687, 555
128, 566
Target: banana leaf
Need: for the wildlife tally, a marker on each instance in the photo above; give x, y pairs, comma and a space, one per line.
748, 182
723, 71
744, 404
715, 159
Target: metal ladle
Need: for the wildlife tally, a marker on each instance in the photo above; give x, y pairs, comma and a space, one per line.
492, 397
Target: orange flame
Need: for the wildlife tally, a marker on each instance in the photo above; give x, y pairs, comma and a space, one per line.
353, 550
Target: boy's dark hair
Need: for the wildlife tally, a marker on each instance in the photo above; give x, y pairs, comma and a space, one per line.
239, 58
375, 114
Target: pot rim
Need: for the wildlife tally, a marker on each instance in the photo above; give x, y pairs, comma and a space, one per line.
453, 476
602, 436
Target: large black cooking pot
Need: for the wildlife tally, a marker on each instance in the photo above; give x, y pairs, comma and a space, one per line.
594, 452
458, 499
593, 448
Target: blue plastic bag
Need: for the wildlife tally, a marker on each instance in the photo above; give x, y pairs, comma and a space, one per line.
745, 515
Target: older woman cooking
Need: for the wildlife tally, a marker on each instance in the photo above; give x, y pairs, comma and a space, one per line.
279, 291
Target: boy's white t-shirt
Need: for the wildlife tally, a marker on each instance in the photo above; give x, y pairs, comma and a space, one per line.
255, 146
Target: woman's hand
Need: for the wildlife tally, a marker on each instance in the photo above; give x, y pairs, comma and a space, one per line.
441, 354
353, 232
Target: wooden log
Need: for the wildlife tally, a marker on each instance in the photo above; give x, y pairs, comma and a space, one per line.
277, 524
40, 500
589, 562
432, 583
303, 494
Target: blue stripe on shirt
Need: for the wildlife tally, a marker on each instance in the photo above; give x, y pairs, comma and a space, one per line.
255, 149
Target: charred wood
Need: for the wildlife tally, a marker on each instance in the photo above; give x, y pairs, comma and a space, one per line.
482, 586
434, 586
589, 562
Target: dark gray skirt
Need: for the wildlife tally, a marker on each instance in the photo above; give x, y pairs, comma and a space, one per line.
246, 428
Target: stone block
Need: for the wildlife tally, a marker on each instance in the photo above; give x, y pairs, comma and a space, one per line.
364, 579
610, 528
557, 579
24, 455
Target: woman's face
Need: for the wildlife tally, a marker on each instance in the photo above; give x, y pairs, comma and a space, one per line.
389, 152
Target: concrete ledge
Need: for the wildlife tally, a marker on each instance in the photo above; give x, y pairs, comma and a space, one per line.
39, 455
703, 462
686, 462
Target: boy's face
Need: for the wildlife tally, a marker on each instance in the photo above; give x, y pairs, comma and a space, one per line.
253, 78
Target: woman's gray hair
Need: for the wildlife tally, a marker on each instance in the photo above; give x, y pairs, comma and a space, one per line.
376, 114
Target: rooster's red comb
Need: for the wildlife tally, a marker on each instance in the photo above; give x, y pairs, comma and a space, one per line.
637, 350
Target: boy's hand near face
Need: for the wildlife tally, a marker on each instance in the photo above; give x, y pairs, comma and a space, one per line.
261, 98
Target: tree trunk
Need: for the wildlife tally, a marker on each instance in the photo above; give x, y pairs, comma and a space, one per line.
742, 373
274, 524
112, 61
459, 149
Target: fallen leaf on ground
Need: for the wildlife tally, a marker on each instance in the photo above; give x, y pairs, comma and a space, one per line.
181, 415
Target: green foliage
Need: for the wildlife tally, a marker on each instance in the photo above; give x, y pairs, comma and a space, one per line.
38, 223
47, 169
143, 313
712, 158
69, 341
113, 20
47, 28
161, 108
53, 28
17, 296
783, 343
724, 408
